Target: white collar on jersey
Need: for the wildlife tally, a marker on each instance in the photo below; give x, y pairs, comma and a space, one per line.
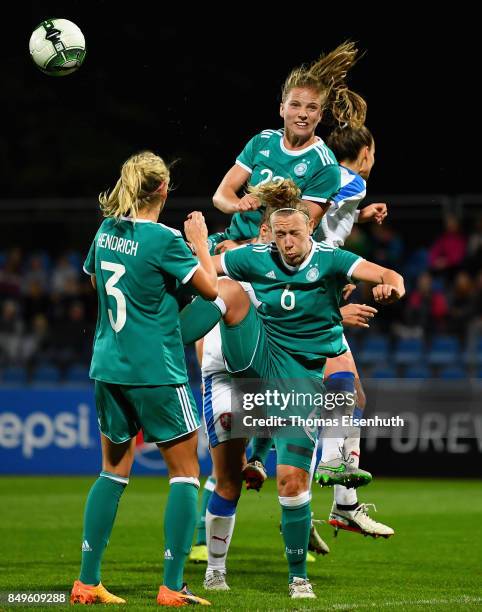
304, 264
136, 220
299, 151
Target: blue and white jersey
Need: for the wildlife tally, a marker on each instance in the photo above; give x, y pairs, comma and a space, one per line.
337, 223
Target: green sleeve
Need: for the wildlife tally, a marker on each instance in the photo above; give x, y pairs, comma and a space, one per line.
177, 259
89, 263
237, 263
246, 158
324, 184
344, 262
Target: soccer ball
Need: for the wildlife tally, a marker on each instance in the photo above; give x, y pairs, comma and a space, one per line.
57, 47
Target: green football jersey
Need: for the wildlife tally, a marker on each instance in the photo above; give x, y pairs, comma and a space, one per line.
137, 266
299, 306
314, 169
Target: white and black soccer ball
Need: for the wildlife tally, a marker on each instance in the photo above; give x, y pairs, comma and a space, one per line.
57, 47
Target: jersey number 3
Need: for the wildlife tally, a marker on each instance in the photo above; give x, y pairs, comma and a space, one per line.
118, 271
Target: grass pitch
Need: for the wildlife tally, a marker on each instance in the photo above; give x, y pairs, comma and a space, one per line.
432, 562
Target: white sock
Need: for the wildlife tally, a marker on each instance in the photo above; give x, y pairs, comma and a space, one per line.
219, 531
331, 447
344, 496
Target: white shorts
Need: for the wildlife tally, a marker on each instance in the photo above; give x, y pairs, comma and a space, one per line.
345, 344
217, 407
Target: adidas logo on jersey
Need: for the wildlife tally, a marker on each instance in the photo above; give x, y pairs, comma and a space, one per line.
167, 554
270, 274
86, 546
265, 152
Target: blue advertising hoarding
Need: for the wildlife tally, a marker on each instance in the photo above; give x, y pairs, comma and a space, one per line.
54, 431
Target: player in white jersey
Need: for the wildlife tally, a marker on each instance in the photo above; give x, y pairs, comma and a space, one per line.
228, 454
355, 150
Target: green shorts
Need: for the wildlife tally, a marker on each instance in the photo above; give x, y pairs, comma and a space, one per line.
249, 353
163, 413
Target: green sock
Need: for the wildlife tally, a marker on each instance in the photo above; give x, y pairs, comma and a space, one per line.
201, 520
261, 448
179, 524
295, 525
99, 515
197, 318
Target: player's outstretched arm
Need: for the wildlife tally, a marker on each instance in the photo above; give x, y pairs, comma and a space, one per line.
205, 279
389, 285
226, 200
373, 212
357, 315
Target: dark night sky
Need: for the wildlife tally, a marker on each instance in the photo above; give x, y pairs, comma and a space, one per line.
189, 89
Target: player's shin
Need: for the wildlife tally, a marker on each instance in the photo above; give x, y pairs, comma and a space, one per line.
333, 437
220, 520
295, 526
347, 499
179, 524
99, 515
199, 317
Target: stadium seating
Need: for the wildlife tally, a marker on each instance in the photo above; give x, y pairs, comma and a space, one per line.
77, 374
444, 350
14, 375
46, 374
408, 351
374, 350
453, 373
418, 371
473, 355
383, 371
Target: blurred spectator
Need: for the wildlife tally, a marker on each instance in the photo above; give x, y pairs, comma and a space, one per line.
474, 328
474, 248
448, 251
36, 344
35, 300
72, 336
427, 307
387, 246
36, 274
65, 278
359, 242
10, 274
461, 303
11, 328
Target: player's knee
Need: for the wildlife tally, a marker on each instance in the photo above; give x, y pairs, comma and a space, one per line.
235, 298
292, 482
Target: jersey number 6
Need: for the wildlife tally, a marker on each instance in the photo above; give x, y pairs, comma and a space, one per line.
287, 299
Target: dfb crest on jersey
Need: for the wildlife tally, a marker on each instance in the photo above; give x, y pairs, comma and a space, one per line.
312, 274
300, 169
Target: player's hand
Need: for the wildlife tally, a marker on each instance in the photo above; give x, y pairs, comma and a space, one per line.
373, 212
357, 315
195, 229
348, 290
385, 294
248, 202
226, 245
